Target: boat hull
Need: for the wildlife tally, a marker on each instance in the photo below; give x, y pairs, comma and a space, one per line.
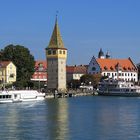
122, 94
21, 96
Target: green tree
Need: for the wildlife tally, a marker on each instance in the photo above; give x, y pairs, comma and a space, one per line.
23, 60
74, 84
92, 79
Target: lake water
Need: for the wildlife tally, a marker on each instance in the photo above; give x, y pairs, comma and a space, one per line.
80, 118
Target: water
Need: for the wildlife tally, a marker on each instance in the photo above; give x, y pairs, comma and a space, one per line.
81, 118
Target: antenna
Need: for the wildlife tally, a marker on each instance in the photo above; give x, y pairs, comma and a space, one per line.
57, 14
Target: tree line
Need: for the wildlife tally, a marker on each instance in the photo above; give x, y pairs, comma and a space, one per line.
23, 60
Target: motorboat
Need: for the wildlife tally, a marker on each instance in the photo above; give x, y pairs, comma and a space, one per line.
14, 96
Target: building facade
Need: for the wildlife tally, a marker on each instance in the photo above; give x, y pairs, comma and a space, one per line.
56, 55
123, 69
7, 72
75, 72
40, 73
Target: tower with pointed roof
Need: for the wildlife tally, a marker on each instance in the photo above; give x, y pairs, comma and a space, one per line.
101, 54
107, 55
56, 55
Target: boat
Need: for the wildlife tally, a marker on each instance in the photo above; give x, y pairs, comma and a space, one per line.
112, 87
14, 96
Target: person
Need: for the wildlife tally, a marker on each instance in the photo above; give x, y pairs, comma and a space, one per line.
2, 88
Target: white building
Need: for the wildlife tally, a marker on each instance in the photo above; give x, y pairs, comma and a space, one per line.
123, 69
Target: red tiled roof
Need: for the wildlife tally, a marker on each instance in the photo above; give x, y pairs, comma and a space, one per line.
111, 64
3, 64
76, 69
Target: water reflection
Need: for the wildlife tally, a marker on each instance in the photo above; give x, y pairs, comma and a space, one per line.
22, 121
83, 118
118, 119
57, 119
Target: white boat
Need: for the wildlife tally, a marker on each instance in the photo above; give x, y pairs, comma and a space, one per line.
13, 96
118, 88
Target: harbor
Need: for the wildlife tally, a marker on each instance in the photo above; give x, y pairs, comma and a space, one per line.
70, 70
78, 118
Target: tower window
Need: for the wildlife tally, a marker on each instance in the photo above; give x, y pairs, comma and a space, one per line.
63, 52
54, 52
49, 52
60, 52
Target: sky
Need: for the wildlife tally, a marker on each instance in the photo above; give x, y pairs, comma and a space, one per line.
85, 26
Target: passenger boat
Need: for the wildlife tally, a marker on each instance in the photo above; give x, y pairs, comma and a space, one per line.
112, 87
13, 96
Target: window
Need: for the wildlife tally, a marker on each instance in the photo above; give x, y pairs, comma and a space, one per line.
93, 68
63, 52
11, 75
49, 52
11, 66
54, 52
60, 52
108, 74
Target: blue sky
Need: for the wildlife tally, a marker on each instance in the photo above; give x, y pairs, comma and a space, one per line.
85, 25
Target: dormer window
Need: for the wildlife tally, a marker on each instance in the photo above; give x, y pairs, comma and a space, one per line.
111, 68
105, 68
124, 68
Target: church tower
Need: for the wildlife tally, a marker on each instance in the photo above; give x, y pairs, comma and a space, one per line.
56, 55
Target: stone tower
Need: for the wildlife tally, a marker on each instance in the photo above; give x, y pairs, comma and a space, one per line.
56, 55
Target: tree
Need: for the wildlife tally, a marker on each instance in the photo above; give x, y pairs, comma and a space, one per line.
74, 84
92, 79
23, 60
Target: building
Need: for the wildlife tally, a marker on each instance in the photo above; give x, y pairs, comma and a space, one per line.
123, 69
40, 73
75, 72
7, 72
56, 55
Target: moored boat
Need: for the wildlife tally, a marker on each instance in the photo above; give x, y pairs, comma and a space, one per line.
13, 96
112, 87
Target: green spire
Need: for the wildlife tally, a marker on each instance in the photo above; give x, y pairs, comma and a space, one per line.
56, 39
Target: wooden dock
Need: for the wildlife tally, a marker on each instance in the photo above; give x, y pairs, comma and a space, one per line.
70, 93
